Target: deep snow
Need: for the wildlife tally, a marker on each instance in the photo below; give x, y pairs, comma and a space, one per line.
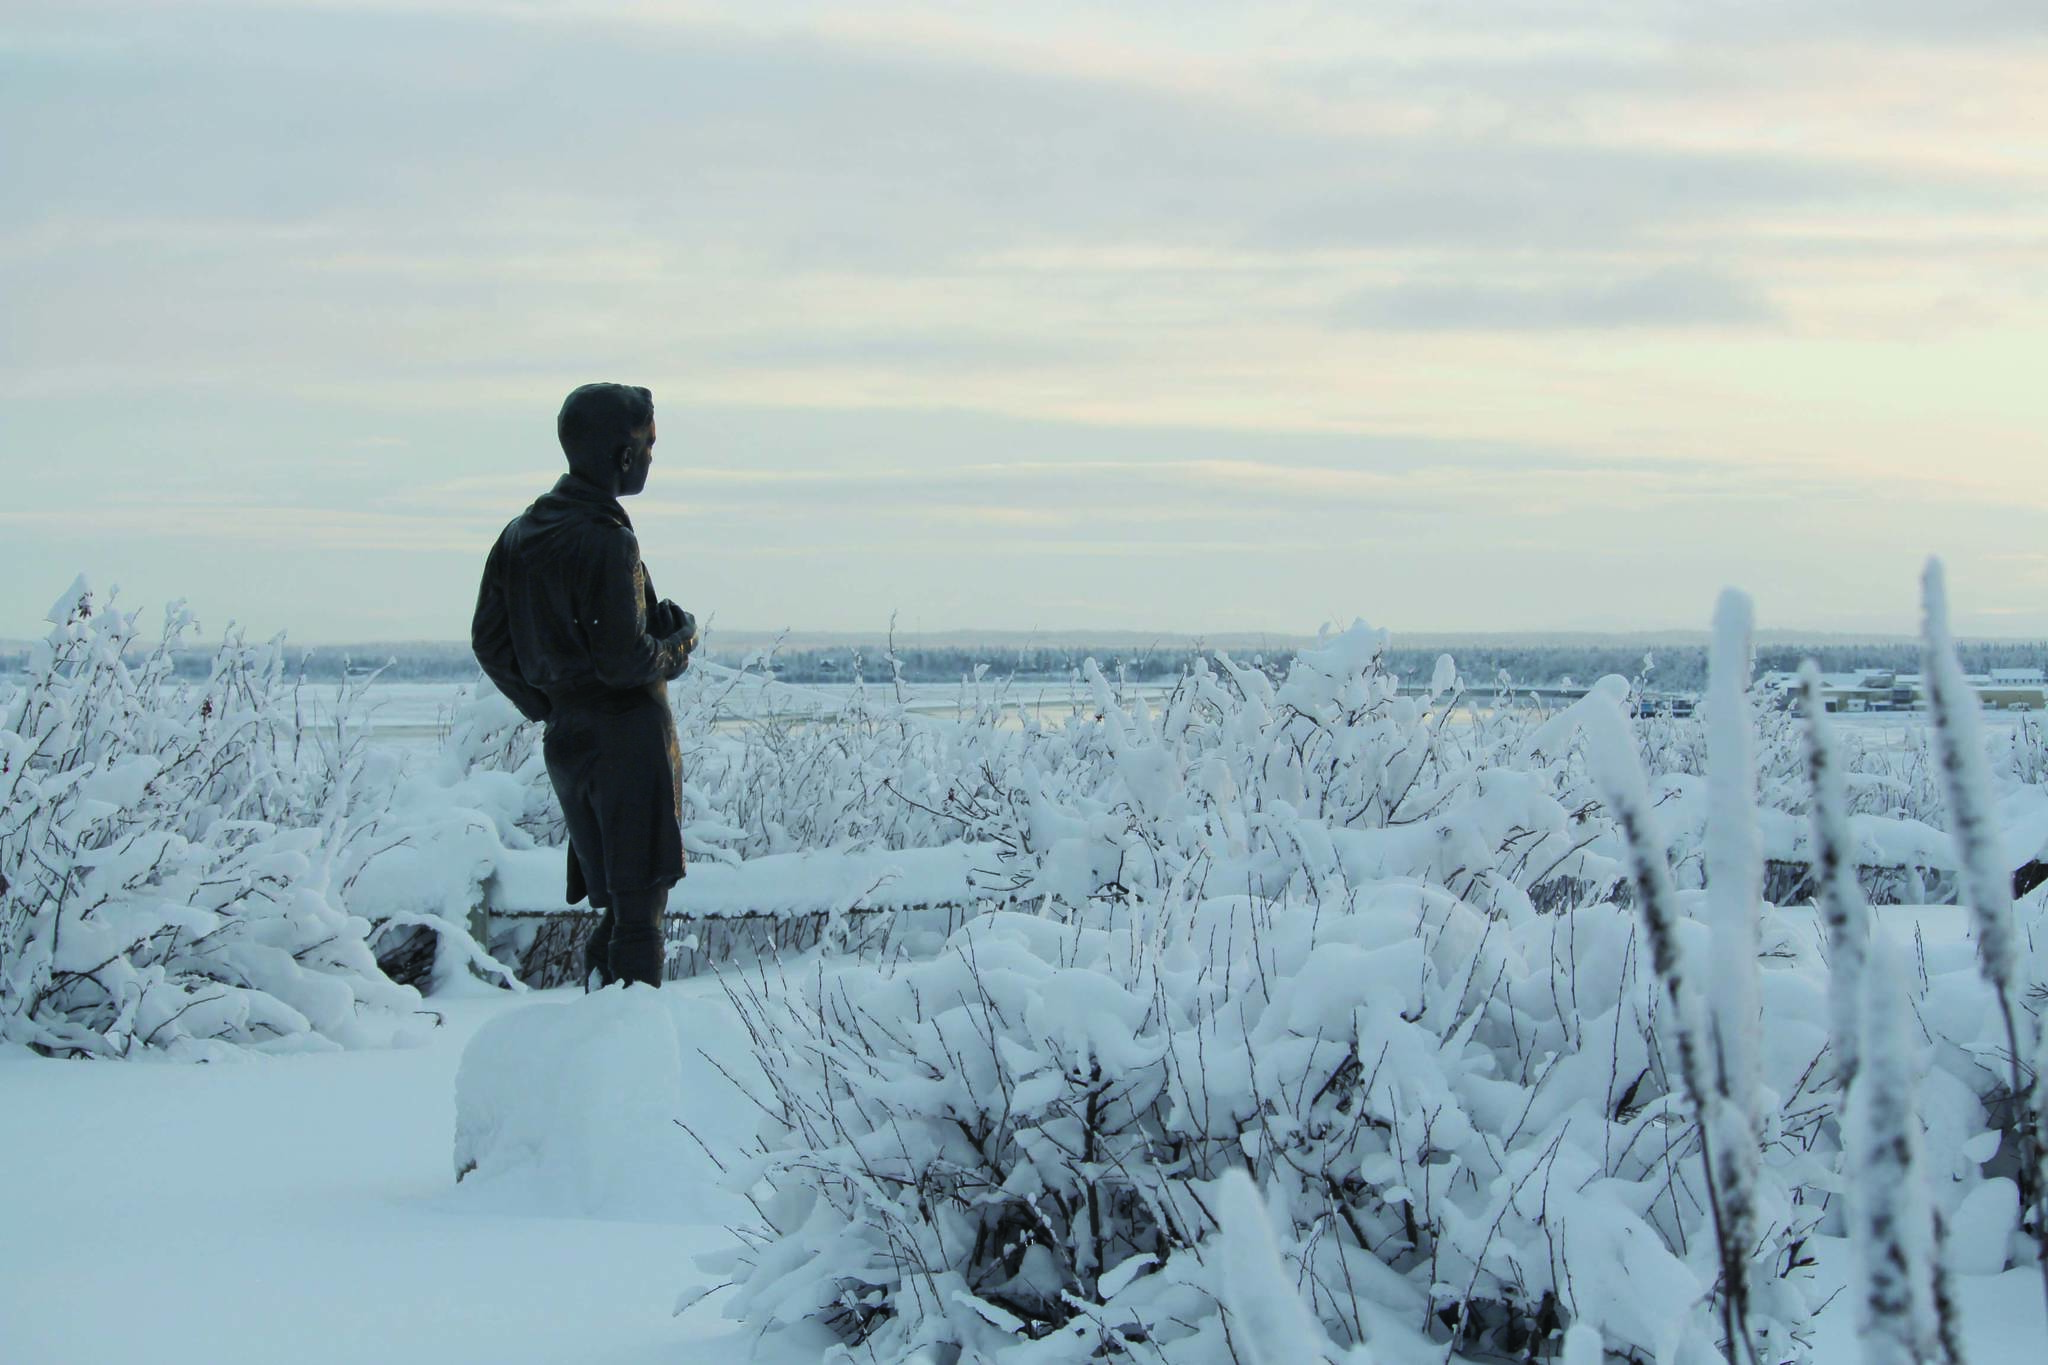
304, 1208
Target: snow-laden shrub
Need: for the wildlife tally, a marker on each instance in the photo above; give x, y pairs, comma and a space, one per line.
1019, 1140
2003, 951
773, 769
171, 853
1289, 929
487, 735
1892, 784
1272, 1326
418, 866
2024, 757
1236, 783
1894, 774
1015, 1147
767, 768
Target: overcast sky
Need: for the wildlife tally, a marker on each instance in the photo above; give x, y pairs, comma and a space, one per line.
1511, 315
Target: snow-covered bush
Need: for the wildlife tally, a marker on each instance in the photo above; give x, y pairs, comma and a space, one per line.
766, 769
171, 853
773, 769
486, 734
2025, 755
1010, 1147
1986, 866
1285, 928
1238, 784
1298, 930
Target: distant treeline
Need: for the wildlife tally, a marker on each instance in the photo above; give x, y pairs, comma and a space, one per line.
1677, 668
1683, 668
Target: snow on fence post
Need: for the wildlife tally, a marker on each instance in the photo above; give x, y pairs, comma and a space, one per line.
1986, 880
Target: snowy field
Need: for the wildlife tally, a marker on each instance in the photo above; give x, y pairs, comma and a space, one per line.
304, 1209
1294, 1019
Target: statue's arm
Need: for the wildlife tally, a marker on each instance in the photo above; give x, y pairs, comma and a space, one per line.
490, 635
666, 618
624, 651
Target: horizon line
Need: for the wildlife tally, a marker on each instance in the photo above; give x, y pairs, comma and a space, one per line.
968, 636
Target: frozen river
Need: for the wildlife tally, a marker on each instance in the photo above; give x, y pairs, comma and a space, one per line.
416, 715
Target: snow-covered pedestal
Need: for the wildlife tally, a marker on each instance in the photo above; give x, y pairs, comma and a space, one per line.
572, 1108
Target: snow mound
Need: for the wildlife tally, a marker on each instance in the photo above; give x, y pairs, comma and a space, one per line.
577, 1108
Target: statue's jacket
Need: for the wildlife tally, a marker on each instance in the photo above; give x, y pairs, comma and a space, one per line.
565, 626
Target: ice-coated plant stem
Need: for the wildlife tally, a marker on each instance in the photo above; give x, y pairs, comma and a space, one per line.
1843, 909
1986, 881
1270, 1324
1735, 870
1891, 1218
1615, 765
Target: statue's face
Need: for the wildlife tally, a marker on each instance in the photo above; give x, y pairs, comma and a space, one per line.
636, 460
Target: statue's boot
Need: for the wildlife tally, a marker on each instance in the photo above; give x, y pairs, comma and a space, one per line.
639, 951
597, 955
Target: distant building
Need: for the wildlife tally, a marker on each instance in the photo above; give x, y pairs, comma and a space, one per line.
2012, 689
1876, 689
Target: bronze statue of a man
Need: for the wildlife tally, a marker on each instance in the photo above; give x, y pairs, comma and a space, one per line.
568, 627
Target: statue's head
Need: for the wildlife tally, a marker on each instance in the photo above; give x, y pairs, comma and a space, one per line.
607, 432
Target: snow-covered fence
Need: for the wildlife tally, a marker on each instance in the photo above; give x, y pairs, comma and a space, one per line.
733, 914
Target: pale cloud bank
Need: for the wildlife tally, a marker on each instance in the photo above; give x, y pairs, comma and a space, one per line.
1671, 296
1211, 316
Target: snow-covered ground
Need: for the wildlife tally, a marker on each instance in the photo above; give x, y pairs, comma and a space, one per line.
305, 1209
1220, 907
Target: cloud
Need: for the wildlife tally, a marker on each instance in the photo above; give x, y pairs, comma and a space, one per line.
262, 527
877, 347
254, 248
803, 150
1673, 296
336, 197
833, 517
1951, 21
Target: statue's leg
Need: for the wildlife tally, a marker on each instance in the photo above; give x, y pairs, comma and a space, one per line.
597, 954
571, 753
638, 951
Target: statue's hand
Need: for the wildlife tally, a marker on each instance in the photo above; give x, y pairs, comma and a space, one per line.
666, 620
677, 629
